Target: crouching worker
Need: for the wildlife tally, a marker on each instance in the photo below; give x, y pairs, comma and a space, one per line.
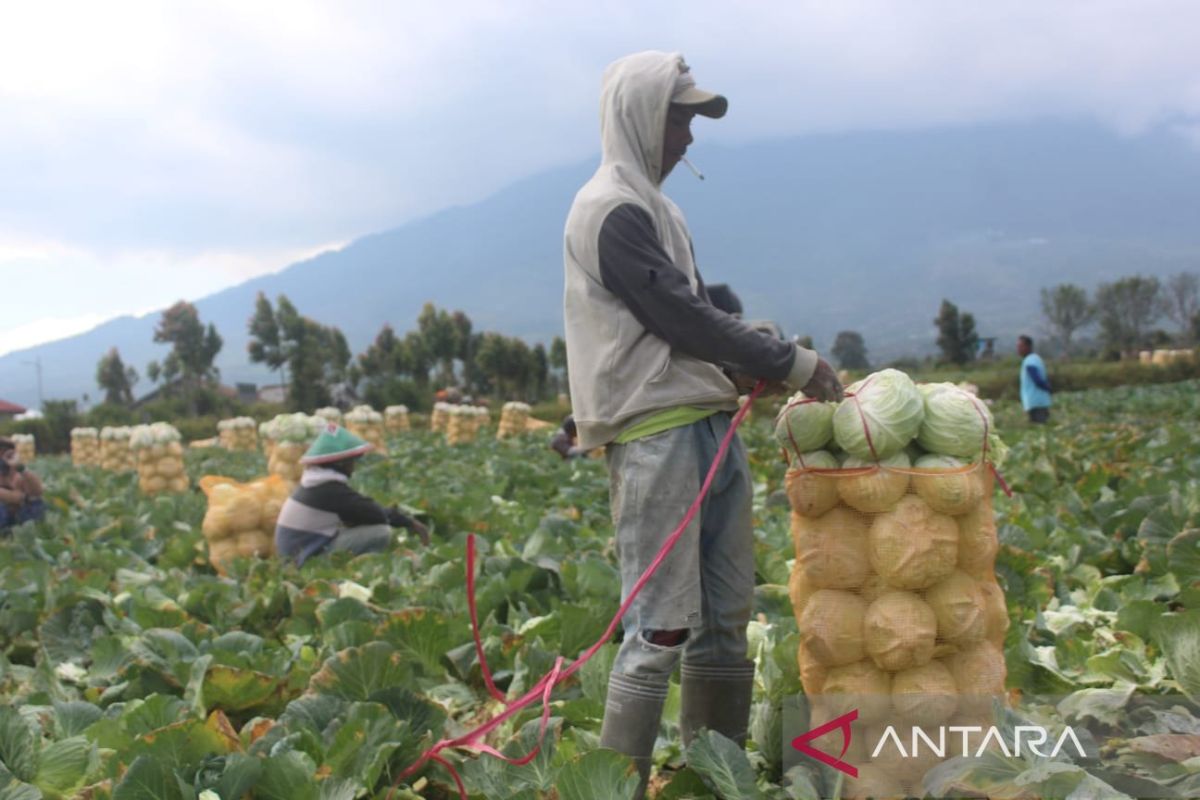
324, 514
20, 490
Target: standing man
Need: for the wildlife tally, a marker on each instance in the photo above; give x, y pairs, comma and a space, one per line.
653, 365
1035, 383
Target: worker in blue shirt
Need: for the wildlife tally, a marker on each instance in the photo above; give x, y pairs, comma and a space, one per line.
1035, 383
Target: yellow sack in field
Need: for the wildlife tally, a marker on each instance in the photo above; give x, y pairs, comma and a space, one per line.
240, 520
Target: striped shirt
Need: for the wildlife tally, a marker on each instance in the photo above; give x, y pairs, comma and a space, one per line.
322, 506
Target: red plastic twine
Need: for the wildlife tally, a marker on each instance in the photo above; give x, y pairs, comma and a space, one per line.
863, 417
473, 739
986, 433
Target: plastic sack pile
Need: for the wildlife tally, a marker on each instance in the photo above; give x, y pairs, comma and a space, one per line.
464, 423
239, 434
395, 420
85, 447
285, 440
240, 520
367, 423
26, 446
115, 453
893, 585
159, 452
440, 418
514, 417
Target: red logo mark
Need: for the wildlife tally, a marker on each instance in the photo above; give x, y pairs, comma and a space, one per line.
801, 743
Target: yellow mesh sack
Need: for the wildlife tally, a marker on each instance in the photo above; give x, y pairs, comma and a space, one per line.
240, 518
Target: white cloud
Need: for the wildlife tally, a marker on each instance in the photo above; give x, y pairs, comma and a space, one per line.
174, 148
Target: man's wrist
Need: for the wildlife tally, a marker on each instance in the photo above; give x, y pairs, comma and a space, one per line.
802, 368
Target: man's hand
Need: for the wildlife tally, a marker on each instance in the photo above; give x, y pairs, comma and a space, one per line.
421, 530
824, 384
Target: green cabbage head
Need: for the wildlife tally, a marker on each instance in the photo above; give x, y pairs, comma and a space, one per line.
891, 411
957, 423
802, 427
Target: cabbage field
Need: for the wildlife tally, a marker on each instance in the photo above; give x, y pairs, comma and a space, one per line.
131, 670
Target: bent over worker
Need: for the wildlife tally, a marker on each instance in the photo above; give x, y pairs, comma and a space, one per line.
653, 371
324, 514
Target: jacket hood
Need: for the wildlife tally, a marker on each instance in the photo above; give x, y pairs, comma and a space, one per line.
634, 96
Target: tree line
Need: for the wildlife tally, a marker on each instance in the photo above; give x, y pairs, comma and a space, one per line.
315, 364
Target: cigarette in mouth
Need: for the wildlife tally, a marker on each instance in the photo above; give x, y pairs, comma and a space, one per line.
692, 167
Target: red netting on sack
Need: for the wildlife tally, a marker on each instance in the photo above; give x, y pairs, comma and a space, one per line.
901, 617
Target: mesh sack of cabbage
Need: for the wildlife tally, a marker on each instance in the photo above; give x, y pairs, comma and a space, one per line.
26, 446
439, 420
395, 420
464, 423
85, 447
367, 423
239, 434
285, 440
893, 584
514, 419
115, 453
159, 452
329, 414
240, 520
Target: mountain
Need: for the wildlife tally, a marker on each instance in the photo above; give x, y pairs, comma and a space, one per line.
865, 231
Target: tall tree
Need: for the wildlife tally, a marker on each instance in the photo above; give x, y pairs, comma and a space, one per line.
1126, 309
1066, 309
850, 350
539, 371
194, 348
558, 360
1182, 303
957, 337
116, 379
266, 345
440, 336
317, 356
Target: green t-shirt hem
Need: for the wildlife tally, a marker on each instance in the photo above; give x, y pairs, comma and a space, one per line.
663, 421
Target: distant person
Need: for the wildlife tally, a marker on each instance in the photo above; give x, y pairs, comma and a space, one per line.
565, 441
1035, 383
325, 515
20, 490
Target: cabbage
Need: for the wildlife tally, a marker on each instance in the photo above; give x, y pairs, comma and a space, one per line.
811, 493
800, 588
958, 605
860, 685
885, 404
803, 425
977, 542
877, 490
899, 631
956, 490
957, 423
912, 546
873, 781
812, 671
995, 611
925, 695
832, 549
832, 626
979, 673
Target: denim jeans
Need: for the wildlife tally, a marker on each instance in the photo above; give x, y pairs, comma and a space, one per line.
31, 510
706, 584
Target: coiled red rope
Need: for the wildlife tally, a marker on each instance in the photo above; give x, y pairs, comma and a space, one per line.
473, 739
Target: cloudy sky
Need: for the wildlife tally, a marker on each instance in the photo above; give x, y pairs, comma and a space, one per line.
157, 150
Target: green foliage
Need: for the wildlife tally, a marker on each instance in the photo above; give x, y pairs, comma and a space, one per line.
115, 379
128, 663
957, 338
1126, 309
1066, 309
850, 351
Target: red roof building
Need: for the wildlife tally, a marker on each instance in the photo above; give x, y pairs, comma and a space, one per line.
8, 410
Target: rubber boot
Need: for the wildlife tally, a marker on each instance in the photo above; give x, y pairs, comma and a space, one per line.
717, 697
632, 713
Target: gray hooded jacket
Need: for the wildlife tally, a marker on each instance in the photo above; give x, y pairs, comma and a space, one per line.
641, 334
